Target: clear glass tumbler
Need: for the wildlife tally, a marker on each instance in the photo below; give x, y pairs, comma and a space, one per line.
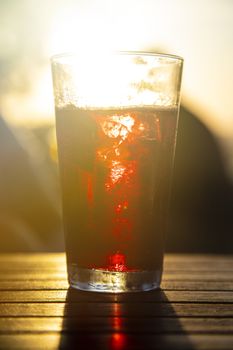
116, 123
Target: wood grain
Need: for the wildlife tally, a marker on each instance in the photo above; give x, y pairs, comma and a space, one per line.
193, 311
106, 324
150, 297
124, 310
116, 341
166, 285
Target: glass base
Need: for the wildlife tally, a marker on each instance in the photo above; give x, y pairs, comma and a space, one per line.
97, 280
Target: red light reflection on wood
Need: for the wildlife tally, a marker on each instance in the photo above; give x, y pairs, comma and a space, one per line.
118, 341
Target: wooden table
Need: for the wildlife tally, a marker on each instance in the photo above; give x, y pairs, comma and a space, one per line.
193, 311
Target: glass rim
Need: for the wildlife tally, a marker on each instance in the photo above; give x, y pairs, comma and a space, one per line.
56, 57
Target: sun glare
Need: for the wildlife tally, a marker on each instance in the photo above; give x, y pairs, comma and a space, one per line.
73, 32
34, 107
93, 31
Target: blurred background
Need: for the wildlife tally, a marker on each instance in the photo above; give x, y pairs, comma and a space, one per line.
201, 31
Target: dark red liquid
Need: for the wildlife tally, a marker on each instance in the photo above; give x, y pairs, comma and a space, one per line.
115, 170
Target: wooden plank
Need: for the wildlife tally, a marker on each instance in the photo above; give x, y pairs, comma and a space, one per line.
60, 257
116, 309
187, 265
39, 285
166, 285
32, 276
153, 296
197, 285
178, 276
107, 324
213, 270
34, 266
213, 266
194, 312
116, 341
54, 261
183, 257
199, 276
33, 257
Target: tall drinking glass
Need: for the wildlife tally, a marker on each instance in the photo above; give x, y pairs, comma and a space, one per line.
116, 123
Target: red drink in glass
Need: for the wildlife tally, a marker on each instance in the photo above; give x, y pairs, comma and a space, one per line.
115, 171
115, 166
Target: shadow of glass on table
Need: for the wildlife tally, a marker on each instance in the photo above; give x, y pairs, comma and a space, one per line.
121, 321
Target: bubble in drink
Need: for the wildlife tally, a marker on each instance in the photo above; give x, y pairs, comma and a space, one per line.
115, 168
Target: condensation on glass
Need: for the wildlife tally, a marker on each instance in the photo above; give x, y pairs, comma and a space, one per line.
116, 123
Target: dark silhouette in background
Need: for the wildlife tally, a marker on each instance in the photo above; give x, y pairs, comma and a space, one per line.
29, 217
201, 213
